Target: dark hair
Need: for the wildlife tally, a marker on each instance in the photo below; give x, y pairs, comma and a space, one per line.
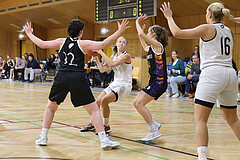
30, 55
114, 47
19, 57
74, 28
176, 53
1, 56
57, 50
161, 34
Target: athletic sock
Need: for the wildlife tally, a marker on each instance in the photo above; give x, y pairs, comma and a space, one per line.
202, 153
102, 135
91, 121
44, 132
151, 126
106, 121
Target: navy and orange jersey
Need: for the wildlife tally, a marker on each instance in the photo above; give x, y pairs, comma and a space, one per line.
157, 64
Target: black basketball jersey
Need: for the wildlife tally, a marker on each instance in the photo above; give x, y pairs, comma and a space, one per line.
10, 63
1, 63
71, 56
157, 63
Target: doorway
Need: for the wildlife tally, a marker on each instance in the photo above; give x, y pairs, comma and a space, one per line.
22, 47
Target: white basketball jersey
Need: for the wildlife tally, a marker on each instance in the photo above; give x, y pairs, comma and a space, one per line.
122, 72
217, 51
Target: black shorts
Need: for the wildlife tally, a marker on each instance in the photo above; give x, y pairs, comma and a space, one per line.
76, 84
156, 87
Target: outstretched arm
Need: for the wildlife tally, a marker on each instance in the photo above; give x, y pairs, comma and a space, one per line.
140, 31
125, 58
93, 45
40, 43
143, 37
205, 31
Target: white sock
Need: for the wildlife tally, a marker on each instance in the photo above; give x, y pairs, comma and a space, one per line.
106, 121
44, 132
102, 135
91, 121
202, 153
151, 126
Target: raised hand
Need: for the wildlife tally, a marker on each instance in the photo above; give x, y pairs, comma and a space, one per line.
27, 28
166, 10
142, 18
143, 26
124, 25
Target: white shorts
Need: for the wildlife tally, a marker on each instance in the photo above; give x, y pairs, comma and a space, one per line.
120, 89
217, 82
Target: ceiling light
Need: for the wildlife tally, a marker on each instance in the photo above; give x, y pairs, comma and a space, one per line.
104, 30
20, 36
53, 21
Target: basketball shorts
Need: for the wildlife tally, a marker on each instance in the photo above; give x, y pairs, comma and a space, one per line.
76, 84
156, 87
217, 82
120, 89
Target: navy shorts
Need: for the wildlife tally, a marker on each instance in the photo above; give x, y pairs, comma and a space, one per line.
76, 84
156, 87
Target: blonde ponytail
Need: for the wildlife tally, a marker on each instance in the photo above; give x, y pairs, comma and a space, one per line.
219, 11
226, 12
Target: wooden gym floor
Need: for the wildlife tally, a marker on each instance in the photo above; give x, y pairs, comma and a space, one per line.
21, 112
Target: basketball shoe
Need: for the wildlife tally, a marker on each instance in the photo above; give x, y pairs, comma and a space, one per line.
153, 134
87, 128
41, 141
107, 144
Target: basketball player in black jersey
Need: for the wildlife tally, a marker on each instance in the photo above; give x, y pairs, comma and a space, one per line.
71, 78
154, 42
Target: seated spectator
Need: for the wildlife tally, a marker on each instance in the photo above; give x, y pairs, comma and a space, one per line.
105, 77
2, 65
32, 68
52, 65
45, 66
9, 68
193, 75
178, 75
93, 73
91, 63
20, 68
57, 60
196, 51
188, 66
26, 56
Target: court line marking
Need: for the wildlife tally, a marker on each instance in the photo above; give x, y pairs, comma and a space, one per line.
95, 140
169, 149
34, 158
128, 139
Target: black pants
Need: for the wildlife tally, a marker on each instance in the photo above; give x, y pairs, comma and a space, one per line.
16, 71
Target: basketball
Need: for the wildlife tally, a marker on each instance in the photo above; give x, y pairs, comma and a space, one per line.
91, 53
